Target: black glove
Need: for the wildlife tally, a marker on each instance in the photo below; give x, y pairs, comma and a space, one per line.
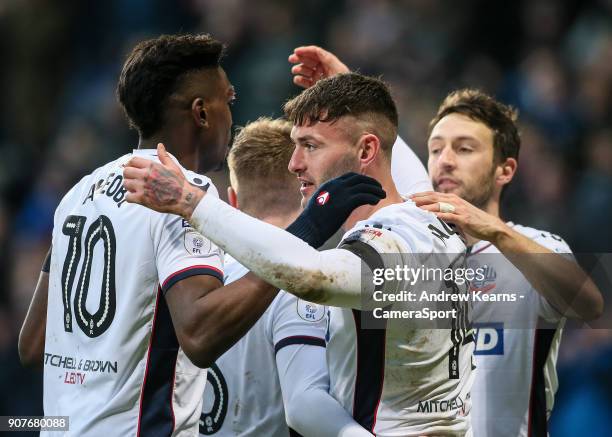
331, 205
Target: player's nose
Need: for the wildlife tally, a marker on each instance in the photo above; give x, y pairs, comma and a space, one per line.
297, 163
447, 159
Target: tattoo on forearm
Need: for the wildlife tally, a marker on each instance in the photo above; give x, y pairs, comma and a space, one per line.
191, 199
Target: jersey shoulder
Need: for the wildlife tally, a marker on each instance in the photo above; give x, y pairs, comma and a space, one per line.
92, 181
404, 227
199, 180
547, 239
204, 182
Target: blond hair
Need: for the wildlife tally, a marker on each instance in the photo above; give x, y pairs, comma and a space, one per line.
258, 162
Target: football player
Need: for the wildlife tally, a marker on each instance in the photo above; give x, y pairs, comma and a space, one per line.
393, 381
473, 153
133, 305
282, 357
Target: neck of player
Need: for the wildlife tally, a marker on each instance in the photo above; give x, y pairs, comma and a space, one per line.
365, 211
175, 144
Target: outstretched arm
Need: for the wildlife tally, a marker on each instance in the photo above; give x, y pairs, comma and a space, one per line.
332, 277
558, 279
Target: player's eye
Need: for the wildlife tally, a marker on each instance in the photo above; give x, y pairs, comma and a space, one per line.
464, 149
434, 151
309, 147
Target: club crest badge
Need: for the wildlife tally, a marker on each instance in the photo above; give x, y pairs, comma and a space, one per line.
323, 198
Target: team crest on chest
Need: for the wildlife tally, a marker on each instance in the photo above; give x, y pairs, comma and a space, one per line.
488, 282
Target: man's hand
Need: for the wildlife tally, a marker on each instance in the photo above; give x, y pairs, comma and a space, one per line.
470, 219
332, 204
561, 281
161, 187
313, 64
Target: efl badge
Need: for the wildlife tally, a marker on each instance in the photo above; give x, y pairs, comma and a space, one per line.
196, 244
323, 198
311, 312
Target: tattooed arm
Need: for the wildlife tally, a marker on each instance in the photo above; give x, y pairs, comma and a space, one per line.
332, 276
159, 188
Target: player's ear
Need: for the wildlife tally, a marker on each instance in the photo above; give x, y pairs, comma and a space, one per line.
506, 171
198, 112
369, 148
232, 197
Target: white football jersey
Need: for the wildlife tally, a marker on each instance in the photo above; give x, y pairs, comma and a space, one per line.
516, 378
112, 361
244, 395
393, 380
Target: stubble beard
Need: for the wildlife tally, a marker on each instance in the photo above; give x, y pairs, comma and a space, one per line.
344, 165
482, 190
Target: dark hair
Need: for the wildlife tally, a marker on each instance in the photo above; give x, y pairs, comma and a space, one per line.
478, 106
351, 94
153, 70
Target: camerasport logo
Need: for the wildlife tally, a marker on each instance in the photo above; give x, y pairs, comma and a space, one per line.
323, 198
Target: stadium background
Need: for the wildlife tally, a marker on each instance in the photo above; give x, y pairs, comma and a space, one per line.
551, 59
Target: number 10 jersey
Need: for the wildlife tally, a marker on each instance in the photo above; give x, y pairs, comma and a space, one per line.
112, 361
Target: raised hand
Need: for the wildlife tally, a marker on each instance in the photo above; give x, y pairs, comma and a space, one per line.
453, 209
313, 64
332, 204
161, 187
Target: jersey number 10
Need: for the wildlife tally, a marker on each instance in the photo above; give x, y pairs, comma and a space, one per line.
93, 325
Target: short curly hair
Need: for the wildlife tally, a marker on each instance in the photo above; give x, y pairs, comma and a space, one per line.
350, 94
153, 71
481, 107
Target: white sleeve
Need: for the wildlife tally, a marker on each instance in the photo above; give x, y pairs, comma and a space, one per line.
309, 408
408, 172
296, 321
555, 244
331, 276
182, 252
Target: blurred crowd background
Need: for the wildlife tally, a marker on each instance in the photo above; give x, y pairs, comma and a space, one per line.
550, 59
